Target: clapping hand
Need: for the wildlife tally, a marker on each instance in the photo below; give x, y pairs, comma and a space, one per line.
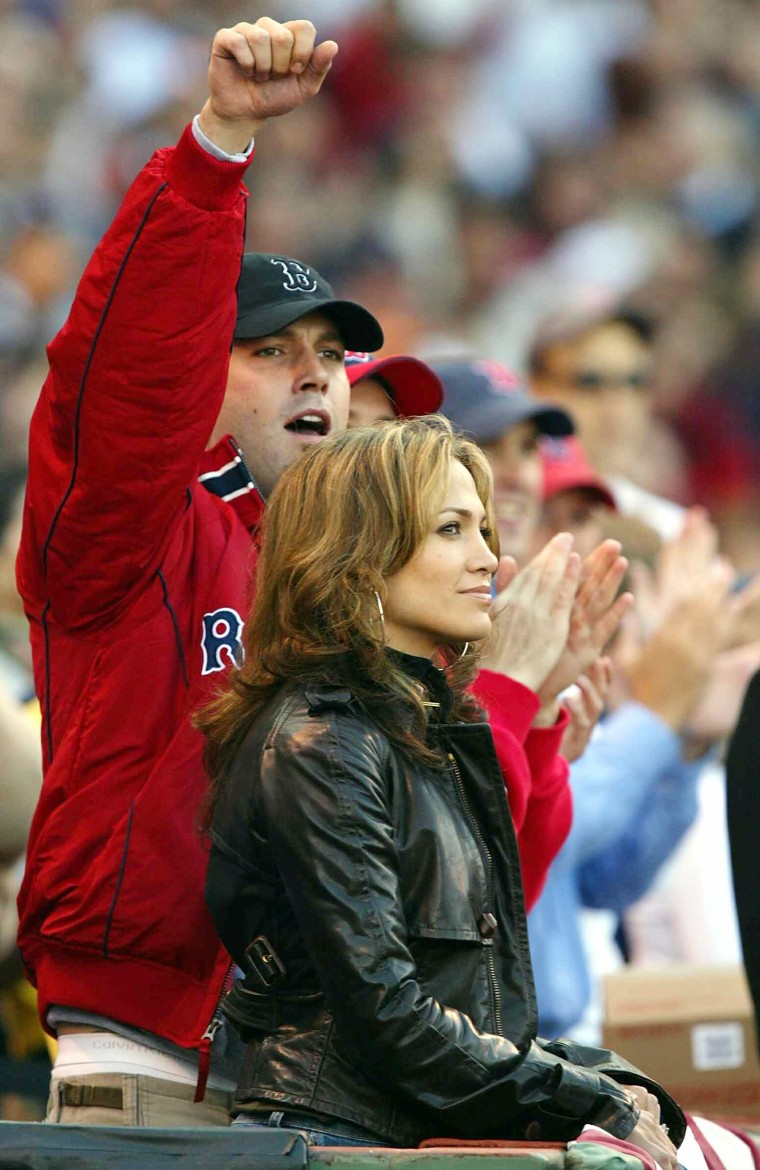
585, 705
597, 611
552, 619
531, 613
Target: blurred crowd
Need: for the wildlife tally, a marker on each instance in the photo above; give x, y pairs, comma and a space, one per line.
525, 156
525, 167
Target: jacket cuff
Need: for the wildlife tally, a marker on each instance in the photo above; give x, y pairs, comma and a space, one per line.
497, 692
596, 1100
618, 1117
207, 182
544, 743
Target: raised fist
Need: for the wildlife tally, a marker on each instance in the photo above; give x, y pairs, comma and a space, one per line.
260, 71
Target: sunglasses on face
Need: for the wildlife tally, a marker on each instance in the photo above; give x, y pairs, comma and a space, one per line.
598, 380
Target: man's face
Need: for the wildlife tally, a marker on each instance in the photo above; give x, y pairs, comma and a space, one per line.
517, 484
284, 392
370, 404
602, 378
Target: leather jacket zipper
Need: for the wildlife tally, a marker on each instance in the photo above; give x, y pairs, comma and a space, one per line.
487, 917
207, 1039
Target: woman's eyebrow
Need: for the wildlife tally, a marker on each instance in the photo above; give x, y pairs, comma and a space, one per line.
465, 513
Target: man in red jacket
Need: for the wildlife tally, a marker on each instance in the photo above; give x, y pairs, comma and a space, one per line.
134, 569
135, 572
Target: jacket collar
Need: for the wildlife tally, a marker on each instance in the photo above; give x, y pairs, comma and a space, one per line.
431, 678
223, 472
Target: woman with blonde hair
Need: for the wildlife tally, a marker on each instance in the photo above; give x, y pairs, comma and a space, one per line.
364, 872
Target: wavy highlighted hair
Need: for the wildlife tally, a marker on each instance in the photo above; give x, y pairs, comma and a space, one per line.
348, 514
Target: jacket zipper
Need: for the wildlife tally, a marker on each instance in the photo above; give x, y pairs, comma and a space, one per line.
207, 1039
486, 854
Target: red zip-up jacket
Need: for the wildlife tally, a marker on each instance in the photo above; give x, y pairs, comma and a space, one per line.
135, 578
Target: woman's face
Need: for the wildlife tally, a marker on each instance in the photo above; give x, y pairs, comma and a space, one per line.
443, 594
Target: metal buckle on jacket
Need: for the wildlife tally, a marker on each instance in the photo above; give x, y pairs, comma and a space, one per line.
263, 963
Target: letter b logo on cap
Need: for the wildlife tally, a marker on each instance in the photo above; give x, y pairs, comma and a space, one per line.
298, 278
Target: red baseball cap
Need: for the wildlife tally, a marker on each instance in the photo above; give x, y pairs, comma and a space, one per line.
414, 388
566, 467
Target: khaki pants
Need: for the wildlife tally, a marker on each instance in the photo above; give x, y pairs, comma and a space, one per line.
124, 1099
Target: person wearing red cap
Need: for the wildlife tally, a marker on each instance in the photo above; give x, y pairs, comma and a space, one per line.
573, 494
567, 469
390, 387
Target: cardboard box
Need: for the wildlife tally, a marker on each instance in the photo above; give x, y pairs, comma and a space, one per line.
693, 1030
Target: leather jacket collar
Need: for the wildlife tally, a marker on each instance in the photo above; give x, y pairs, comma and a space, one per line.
431, 678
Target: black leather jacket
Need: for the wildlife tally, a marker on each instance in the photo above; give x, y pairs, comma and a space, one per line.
376, 906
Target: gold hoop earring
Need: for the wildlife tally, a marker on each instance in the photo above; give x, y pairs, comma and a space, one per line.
448, 665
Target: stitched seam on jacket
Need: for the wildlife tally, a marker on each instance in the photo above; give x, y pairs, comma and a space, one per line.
175, 624
340, 770
48, 708
119, 880
86, 371
519, 915
279, 720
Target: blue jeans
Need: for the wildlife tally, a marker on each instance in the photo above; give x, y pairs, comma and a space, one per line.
340, 1133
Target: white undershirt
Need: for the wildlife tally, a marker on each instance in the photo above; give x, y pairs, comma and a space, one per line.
82, 1054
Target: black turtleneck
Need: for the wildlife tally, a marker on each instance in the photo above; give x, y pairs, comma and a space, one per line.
432, 678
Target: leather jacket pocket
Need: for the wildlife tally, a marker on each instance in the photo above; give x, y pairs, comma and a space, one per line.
452, 968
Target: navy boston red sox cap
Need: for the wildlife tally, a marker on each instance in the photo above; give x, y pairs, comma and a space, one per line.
484, 399
274, 291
